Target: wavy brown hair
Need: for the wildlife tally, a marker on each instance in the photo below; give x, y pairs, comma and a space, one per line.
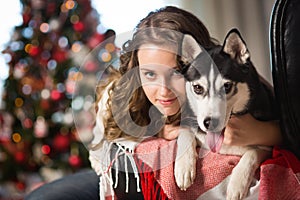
131, 112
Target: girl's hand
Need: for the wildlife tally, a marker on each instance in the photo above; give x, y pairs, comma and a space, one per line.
246, 130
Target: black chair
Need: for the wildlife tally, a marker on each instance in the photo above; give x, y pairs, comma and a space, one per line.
285, 62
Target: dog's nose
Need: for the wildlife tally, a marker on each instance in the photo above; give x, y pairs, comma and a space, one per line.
210, 123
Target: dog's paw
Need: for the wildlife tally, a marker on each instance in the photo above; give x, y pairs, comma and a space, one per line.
236, 192
185, 169
238, 185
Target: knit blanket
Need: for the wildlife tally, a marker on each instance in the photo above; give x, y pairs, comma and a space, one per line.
277, 178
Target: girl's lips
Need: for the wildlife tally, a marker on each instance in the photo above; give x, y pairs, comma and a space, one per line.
166, 102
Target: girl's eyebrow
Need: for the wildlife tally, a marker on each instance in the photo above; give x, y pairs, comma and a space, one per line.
147, 66
150, 68
146, 69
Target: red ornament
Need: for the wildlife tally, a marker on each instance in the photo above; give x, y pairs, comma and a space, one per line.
79, 26
27, 123
55, 95
46, 149
26, 18
90, 66
20, 157
75, 161
34, 51
95, 40
20, 186
59, 55
61, 143
45, 104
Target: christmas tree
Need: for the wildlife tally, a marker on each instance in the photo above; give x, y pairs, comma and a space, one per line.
37, 131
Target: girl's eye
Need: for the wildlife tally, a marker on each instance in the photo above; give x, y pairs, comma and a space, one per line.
176, 73
150, 75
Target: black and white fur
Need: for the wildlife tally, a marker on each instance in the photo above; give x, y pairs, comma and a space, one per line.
230, 85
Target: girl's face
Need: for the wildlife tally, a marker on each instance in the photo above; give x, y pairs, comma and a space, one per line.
163, 85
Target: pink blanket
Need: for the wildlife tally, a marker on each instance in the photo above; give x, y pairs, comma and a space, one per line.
278, 177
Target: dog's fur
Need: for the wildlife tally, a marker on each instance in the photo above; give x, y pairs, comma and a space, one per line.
220, 83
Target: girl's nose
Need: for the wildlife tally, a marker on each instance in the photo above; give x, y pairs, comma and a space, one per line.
165, 87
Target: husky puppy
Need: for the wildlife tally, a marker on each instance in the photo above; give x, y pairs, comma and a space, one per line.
222, 82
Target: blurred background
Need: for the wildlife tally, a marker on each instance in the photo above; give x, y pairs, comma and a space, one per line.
43, 44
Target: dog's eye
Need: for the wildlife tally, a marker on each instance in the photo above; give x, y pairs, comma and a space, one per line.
227, 87
198, 89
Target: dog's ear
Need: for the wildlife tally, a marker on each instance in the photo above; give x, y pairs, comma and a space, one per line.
190, 48
235, 46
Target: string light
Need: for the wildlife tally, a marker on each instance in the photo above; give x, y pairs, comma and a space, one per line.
77, 103
40, 127
27, 47
44, 28
26, 89
70, 86
110, 47
19, 102
106, 57
57, 117
45, 94
70, 4
51, 64
76, 47
63, 8
16, 137
54, 24
74, 19
27, 32
16, 45
63, 42
75, 76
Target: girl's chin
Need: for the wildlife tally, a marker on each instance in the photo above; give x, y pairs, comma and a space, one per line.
168, 112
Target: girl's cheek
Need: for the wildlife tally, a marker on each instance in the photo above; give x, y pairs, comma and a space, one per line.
179, 86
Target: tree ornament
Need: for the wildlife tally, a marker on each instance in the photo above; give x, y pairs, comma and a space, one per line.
95, 40
34, 51
79, 26
54, 24
55, 95
61, 143
75, 161
40, 127
20, 157
59, 55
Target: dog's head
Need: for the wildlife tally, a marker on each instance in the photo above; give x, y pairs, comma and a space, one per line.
216, 86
